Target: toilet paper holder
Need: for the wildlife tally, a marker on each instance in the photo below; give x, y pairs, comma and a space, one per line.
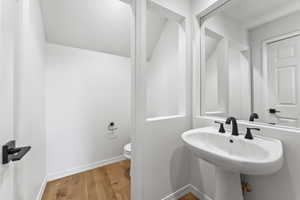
111, 126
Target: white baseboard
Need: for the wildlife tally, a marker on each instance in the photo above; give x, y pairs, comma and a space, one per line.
198, 193
185, 190
42, 189
58, 175
178, 194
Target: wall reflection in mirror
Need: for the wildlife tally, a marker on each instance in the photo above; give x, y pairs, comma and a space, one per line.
250, 58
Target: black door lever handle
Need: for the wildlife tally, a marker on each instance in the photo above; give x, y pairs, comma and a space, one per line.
273, 111
20, 154
11, 153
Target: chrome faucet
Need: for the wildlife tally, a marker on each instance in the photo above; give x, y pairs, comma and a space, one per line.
232, 120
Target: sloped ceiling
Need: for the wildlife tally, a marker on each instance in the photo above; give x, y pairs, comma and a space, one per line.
253, 13
98, 25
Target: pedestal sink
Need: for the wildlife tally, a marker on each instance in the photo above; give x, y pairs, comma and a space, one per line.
233, 155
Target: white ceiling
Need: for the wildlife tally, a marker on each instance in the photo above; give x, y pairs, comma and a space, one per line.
104, 25
252, 13
98, 25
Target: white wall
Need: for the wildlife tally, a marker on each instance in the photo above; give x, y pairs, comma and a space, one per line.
162, 160
29, 100
228, 27
163, 75
239, 82
211, 81
85, 90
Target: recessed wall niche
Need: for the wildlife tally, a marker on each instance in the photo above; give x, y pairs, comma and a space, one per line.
225, 74
166, 63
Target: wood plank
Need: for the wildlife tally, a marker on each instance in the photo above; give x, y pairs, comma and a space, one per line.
104, 188
91, 187
189, 196
49, 192
105, 183
111, 182
118, 175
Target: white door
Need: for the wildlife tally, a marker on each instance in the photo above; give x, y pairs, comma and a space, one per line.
7, 25
284, 82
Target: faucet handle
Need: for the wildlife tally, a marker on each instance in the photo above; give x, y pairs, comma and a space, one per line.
249, 135
221, 129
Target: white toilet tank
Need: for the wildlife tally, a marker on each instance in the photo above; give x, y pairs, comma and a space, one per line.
127, 151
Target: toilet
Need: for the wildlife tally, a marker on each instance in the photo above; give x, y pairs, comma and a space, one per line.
127, 154
127, 151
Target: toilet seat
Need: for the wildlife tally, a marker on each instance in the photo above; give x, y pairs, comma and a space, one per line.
127, 151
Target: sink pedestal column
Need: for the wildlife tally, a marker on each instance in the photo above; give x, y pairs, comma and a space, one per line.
228, 185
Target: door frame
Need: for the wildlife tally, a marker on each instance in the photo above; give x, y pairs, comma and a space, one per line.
136, 21
265, 97
8, 20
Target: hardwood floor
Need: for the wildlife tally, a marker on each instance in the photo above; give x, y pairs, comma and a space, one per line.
189, 196
110, 182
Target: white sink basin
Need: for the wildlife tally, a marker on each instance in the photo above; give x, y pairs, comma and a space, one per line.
233, 155
259, 156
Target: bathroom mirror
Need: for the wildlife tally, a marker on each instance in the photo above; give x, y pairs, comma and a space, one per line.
250, 57
166, 44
